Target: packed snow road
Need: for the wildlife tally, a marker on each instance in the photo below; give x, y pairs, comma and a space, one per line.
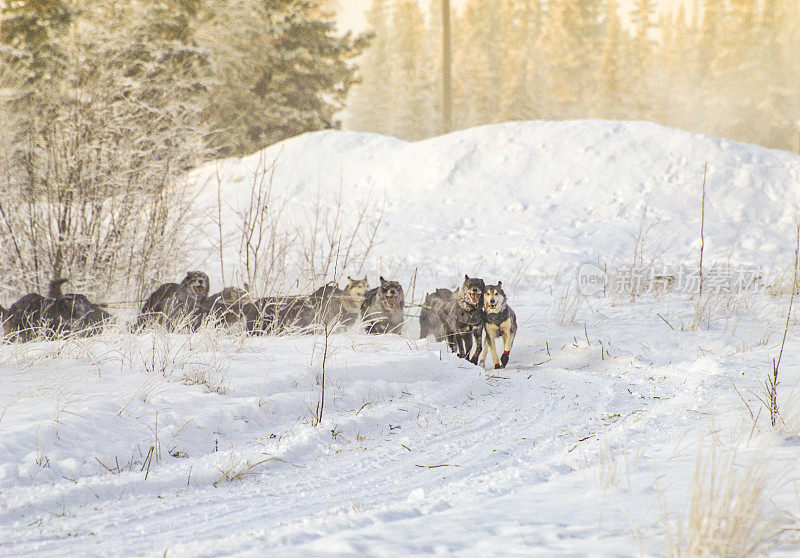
418, 452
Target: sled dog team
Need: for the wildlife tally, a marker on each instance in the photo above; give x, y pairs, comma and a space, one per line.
473, 312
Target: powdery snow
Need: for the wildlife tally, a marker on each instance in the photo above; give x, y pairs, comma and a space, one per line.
585, 444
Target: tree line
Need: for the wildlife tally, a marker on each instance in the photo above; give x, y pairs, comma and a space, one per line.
106, 104
724, 67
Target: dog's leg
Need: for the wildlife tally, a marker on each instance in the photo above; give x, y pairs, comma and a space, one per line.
486, 341
477, 334
467, 339
508, 341
490, 342
458, 338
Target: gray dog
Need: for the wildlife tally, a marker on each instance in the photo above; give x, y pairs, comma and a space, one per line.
278, 315
430, 322
332, 305
382, 309
56, 315
176, 306
226, 307
463, 318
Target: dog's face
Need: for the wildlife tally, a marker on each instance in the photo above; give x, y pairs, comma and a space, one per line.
198, 282
357, 288
494, 299
472, 290
392, 293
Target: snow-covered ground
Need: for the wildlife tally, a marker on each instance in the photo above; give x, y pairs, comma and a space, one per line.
587, 444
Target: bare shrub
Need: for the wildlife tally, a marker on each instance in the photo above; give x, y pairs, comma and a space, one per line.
287, 245
91, 161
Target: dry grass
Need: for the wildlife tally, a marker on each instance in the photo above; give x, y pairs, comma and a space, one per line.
567, 303
607, 468
729, 512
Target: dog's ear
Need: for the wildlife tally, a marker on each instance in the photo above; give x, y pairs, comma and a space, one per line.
350, 279
382, 280
365, 279
500, 284
466, 277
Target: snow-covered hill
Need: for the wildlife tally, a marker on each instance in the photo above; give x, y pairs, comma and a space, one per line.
540, 195
208, 444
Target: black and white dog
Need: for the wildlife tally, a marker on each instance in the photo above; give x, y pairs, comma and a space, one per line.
500, 322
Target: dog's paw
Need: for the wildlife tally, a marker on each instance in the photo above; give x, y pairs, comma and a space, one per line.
504, 358
496, 366
474, 360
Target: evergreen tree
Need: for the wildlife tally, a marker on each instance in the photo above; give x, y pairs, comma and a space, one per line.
521, 21
565, 60
412, 91
675, 91
370, 103
613, 86
31, 32
280, 69
642, 79
478, 64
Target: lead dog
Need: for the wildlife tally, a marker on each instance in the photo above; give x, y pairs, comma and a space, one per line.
382, 309
463, 318
176, 306
500, 322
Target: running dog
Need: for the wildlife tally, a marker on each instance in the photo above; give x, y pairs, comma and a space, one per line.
335, 305
76, 314
278, 314
30, 316
430, 322
327, 305
176, 306
382, 309
463, 318
259, 316
226, 307
351, 299
55, 315
500, 322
